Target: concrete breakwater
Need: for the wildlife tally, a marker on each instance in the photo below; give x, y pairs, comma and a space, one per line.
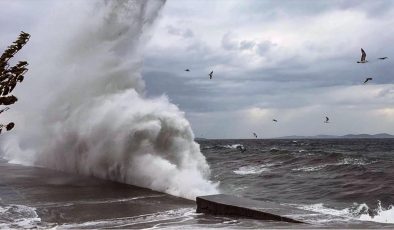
222, 204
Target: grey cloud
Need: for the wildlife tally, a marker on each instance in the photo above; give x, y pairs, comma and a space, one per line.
296, 84
185, 33
229, 42
376, 8
247, 45
192, 95
274, 10
291, 84
388, 92
264, 47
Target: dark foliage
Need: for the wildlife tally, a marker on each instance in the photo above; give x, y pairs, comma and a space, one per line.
10, 76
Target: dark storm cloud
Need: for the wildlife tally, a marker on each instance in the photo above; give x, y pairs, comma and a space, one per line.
207, 96
192, 96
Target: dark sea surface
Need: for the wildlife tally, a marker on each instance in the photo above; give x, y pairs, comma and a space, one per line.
350, 179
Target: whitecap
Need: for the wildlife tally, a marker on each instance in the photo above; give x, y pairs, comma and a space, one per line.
345, 161
18, 216
310, 168
357, 212
234, 146
256, 169
383, 215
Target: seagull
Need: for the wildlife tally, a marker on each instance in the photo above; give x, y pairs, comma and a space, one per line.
255, 135
382, 58
187, 70
368, 79
5, 109
210, 74
363, 56
274, 120
327, 119
10, 126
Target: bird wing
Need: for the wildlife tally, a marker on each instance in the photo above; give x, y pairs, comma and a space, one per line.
327, 118
363, 55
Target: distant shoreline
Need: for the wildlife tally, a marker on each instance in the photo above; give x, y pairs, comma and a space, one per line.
348, 136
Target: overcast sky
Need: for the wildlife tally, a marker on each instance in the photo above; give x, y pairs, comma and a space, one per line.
294, 61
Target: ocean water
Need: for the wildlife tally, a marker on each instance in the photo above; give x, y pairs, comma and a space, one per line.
352, 180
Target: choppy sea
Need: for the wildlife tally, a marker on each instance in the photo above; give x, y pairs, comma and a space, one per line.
349, 179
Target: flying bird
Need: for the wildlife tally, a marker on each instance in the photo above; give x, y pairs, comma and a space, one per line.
5, 109
255, 135
327, 119
210, 74
383, 58
10, 126
368, 79
274, 120
187, 70
363, 56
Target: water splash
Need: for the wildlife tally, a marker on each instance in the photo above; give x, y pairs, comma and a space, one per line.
92, 117
357, 212
382, 215
18, 216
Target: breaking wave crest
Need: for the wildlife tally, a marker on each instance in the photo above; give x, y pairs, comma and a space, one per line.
18, 216
253, 169
345, 161
233, 146
357, 212
380, 215
92, 117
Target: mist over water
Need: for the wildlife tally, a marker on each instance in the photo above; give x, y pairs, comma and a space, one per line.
84, 110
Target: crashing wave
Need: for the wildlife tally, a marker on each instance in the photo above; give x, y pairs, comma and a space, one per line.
92, 117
